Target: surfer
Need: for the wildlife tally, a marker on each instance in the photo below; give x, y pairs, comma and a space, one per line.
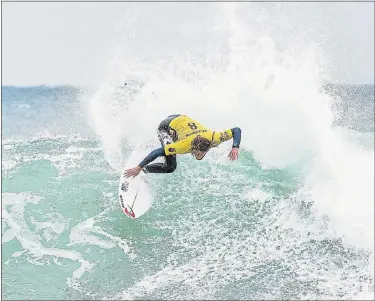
179, 134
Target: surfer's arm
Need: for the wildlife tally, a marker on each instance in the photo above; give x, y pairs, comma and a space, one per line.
132, 172
236, 133
226, 135
152, 156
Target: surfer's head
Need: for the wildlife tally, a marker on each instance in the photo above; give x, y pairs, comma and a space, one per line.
199, 147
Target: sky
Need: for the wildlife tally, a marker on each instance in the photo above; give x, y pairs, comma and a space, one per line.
73, 43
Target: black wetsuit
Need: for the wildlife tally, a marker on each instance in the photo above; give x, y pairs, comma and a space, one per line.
165, 137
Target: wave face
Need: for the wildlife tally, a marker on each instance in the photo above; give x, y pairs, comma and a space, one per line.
291, 219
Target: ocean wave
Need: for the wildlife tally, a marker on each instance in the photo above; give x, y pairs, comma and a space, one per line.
32, 247
291, 219
45, 136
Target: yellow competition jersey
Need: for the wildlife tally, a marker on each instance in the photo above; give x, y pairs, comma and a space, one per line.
186, 129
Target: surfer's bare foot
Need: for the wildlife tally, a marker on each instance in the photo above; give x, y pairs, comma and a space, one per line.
132, 172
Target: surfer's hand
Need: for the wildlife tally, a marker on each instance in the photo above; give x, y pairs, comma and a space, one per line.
233, 155
132, 172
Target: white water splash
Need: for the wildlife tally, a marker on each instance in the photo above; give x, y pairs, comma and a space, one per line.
31, 243
273, 94
84, 234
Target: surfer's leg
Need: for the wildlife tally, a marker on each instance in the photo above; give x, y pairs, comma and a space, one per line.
170, 162
168, 166
165, 138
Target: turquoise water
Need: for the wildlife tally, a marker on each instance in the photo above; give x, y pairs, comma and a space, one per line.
215, 231
292, 219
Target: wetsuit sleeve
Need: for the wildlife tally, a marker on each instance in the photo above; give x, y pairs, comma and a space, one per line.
226, 135
236, 133
152, 156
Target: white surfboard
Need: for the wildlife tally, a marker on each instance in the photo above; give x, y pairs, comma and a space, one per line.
134, 194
